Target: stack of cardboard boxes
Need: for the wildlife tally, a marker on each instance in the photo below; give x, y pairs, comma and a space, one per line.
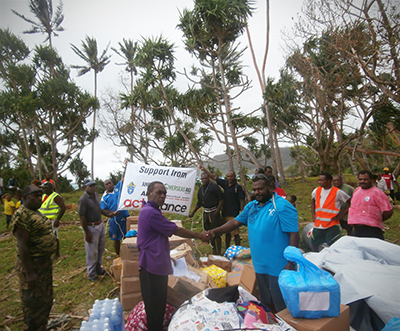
130, 283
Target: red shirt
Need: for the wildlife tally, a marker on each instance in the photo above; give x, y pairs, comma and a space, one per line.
280, 192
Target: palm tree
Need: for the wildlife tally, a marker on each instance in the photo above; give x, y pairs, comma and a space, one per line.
47, 22
89, 54
127, 50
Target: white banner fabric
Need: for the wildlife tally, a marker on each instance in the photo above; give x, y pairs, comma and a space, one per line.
179, 183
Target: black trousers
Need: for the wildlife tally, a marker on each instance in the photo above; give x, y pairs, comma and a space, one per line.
368, 231
154, 293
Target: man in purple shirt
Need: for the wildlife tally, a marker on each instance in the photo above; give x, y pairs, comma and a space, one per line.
154, 254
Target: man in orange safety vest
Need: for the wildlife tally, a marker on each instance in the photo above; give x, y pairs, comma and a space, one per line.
326, 201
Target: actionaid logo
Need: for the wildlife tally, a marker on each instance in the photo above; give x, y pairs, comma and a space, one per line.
133, 203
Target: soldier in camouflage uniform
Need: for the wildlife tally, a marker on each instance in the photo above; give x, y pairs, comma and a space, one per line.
35, 245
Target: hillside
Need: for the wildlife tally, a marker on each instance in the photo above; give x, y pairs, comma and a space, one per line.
220, 162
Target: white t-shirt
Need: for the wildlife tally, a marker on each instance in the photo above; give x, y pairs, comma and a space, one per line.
381, 184
341, 196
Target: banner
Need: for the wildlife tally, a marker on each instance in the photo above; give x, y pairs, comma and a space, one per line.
179, 183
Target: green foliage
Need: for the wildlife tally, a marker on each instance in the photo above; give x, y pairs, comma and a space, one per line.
89, 54
64, 184
127, 50
46, 23
115, 176
79, 170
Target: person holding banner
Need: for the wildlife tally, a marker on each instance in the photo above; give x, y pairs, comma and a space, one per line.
109, 201
210, 197
154, 253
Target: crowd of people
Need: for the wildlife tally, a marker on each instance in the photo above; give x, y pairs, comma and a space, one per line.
270, 217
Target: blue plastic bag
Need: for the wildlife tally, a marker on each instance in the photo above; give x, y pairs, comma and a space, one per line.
393, 325
309, 292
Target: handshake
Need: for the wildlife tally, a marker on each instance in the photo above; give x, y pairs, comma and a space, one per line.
206, 236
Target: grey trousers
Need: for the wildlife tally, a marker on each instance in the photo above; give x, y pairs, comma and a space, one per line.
95, 250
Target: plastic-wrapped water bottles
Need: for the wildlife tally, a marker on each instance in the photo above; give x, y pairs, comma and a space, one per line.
106, 315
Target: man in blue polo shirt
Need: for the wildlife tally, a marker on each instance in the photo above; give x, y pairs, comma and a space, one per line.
272, 224
109, 201
154, 253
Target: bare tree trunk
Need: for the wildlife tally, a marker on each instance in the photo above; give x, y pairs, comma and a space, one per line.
352, 165
26, 147
94, 124
231, 126
282, 179
224, 124
39, 154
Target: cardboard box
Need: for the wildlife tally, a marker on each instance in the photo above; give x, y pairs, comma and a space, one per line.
175, 241
238, 265
116, 271
233, 278
130, 221
130, 268
203, 261
185, 251
248, 280
130, 300
220, 261
183, 288
130, 285
116, 268
129, 250
340, 323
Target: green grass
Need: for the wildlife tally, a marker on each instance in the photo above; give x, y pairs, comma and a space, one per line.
74, 294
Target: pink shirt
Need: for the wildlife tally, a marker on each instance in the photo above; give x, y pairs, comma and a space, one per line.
367, 207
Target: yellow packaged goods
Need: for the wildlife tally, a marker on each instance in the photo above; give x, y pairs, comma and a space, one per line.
220, 261
116, 268
217, 275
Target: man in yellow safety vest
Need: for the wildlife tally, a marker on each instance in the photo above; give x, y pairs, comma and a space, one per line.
53, 207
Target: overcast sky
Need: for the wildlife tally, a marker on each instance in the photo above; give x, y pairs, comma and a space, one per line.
111, 21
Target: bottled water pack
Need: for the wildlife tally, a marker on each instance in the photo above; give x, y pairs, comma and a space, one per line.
106, 315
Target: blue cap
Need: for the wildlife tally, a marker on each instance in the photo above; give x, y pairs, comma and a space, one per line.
90, 182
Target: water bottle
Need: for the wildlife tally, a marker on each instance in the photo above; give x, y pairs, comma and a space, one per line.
119, 305
116, 320
85, 326
96, 310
